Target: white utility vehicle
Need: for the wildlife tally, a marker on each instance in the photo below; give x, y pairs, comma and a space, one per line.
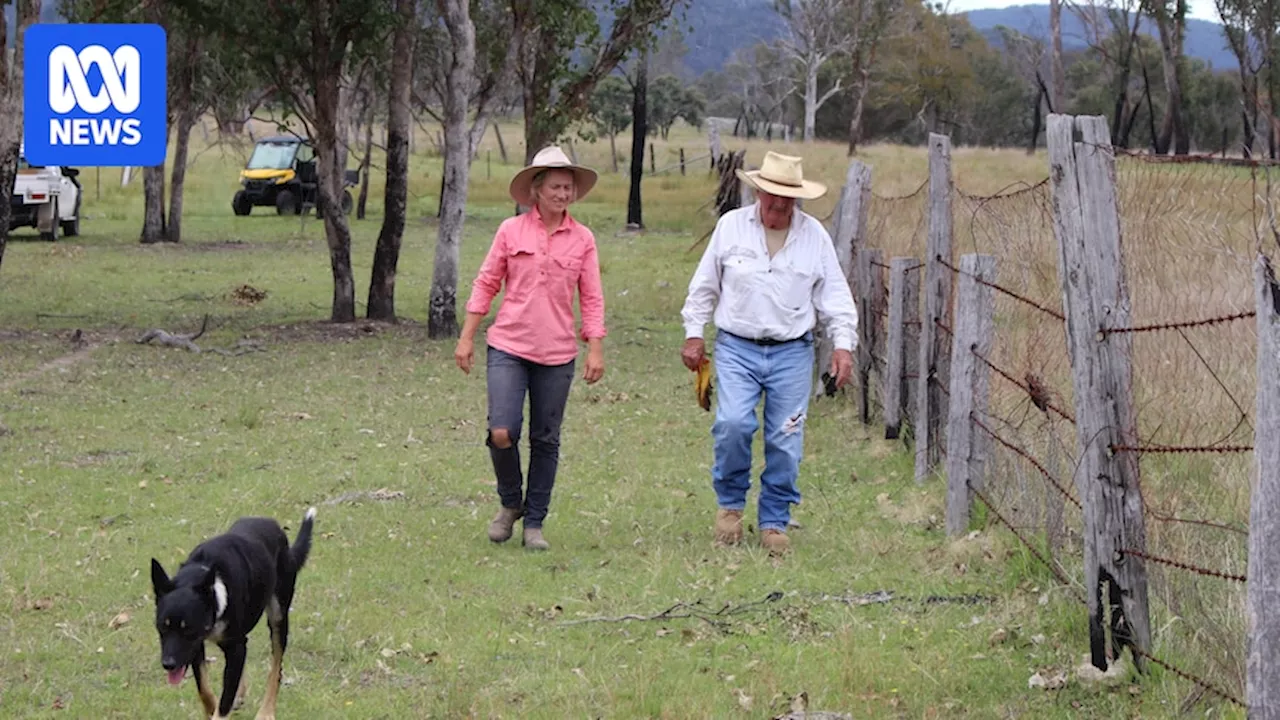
45, 198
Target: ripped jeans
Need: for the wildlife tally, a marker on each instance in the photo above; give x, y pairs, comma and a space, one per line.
784, 374
510, 379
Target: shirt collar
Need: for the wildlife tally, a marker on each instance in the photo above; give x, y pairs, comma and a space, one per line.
566, 224
755, 216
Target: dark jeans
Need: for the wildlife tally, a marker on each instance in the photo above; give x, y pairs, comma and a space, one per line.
509, 377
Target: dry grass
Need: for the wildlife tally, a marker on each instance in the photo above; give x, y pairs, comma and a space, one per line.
1188, 235
1188, 242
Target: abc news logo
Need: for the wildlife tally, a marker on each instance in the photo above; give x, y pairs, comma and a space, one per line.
95, 94
69, 90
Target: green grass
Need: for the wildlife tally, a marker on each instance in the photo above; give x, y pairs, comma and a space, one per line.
116, 452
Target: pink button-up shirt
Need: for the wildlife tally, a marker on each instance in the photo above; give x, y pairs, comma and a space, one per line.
535, 320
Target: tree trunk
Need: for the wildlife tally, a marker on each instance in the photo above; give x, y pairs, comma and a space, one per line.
329, 157
613, 150
860, 90
1058, 77
26, 13
382, 284
502, 147
153, 222
1173, 130
442, 321
367, 161
178, 177
639, 131
810, 100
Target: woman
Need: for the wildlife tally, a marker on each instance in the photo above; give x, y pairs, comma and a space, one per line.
541, 256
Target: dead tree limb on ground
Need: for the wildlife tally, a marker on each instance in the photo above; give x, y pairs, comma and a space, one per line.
186, 342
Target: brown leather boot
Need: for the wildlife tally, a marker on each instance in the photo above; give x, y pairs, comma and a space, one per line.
500, 528
775, 541
534, 541
728, 527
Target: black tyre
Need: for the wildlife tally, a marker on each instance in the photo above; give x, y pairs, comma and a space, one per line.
286, 203
240, 204
52, 235
346, 202
71, 228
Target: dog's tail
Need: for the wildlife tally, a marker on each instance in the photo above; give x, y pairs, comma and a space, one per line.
302, 543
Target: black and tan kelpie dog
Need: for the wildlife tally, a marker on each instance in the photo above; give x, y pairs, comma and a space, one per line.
218, 595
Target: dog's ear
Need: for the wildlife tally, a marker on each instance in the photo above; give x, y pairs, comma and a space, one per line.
160, 581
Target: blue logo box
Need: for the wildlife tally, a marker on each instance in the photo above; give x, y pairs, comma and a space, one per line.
95, 95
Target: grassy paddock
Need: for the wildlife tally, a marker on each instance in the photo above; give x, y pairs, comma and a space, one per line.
112, 452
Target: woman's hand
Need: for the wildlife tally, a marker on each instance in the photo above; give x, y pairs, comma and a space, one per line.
594, 369
463, 353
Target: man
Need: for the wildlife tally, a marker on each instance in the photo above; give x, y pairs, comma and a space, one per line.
768, 273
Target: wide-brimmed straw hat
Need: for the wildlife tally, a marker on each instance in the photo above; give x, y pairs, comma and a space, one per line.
782, 175
551, 157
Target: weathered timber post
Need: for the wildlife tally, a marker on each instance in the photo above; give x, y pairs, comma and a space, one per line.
849, 236
865, 272
970, 384
1263, 667
878, 306
934, 365
1086, 223
901, 355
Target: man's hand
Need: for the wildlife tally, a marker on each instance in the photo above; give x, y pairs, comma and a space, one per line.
595, 363
841, 367
463, 353
692, 353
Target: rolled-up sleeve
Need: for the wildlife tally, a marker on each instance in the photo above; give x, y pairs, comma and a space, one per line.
833, 300
493, 272
704, 288
591, 294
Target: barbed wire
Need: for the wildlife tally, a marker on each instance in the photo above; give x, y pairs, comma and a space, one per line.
1016, 296
1178, 449
1039, 397
1026, 455
1053, 567
1177, 325
1182, 565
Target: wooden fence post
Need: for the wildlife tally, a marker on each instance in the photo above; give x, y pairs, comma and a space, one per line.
879, 308
900, 356
866, 274
849, 233
713, 133
970, 384
1263, 674
1086, 223
934, 364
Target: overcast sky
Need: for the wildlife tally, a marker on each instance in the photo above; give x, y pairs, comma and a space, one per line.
1199, 9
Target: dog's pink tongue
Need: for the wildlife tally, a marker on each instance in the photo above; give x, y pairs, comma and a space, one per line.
176, 675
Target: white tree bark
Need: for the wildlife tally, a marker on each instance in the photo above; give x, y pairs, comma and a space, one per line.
442, 318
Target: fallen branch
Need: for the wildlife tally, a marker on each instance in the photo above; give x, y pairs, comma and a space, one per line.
170, 340
685, 610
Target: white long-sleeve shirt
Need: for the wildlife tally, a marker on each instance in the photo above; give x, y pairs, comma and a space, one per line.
751, 295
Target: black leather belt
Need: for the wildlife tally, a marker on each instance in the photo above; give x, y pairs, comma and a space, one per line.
767, 342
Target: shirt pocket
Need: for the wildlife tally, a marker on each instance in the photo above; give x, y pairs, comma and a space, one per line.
565, 270
522, 269
794, 287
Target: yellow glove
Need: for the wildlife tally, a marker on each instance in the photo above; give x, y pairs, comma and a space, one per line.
702, 385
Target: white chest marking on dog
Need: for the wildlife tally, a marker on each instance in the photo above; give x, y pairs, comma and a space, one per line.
220, 594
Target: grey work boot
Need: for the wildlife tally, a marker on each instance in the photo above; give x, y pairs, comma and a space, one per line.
534, 541
500, 528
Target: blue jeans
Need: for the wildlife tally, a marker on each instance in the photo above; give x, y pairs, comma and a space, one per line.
509, 379
783, 373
